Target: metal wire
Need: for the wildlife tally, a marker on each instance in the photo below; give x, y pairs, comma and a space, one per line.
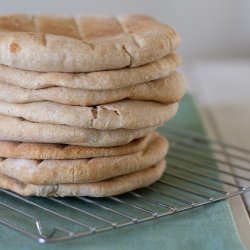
198, 173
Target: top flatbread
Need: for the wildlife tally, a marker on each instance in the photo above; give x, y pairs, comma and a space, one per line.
83, 44
102, 80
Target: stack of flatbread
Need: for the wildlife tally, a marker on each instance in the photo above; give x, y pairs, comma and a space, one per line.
80, 100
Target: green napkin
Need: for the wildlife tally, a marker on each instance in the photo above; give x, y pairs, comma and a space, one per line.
208, 227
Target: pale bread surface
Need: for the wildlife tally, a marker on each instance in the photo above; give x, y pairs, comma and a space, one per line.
17, 129
167, 90
47, 172
127, 114
102, 80
45, 151
83, 44
114, 186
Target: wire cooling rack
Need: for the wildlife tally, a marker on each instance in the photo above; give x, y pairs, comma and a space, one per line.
200, 171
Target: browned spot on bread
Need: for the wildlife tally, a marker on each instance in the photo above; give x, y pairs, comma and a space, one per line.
14, 47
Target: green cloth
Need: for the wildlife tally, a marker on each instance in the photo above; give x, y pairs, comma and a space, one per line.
208, 227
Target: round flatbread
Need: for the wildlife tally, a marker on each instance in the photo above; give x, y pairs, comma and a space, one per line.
114, 186
167, 90
102, 80
127, 114
17, 129
45, 151
47, 172
83, 44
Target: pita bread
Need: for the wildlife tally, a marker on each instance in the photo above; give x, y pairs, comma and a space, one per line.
114, 186
47, 172
167, 90
123, 114
43, 151
83, 44
17, 129
102, 80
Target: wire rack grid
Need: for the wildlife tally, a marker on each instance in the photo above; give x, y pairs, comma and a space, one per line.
200, 171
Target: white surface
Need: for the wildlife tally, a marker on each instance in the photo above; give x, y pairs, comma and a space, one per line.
222, 89
208, 28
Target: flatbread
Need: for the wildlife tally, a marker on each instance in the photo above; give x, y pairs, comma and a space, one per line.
47, 172
114, 186
17, 129
167, 90
128, 114
83, 44
102, 80
45, 151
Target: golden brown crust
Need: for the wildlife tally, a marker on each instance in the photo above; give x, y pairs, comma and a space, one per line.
43, 151
114, 186
47, 172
